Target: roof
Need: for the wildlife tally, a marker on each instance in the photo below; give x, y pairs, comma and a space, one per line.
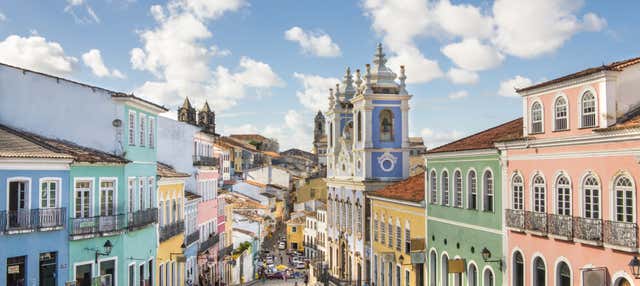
271, 154
237, 143
298, 153
139, 99
614, 66
484, 139
249, 137
410, 190
167, 171
72, 150
630, 119
15, 146
254, 183
268, 195
191, 196
297, 220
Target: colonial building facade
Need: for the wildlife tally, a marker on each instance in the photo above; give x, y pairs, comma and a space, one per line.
368, 148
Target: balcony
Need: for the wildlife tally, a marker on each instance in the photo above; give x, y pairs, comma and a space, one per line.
560, 226
224, 252
209, 242
515, 219
622, 235
535, 222
29, 220
143, 218
205, 161
192, 237
588, 230
98, 225
171, 230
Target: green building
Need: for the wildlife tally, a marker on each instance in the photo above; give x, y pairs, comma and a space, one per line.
464, 209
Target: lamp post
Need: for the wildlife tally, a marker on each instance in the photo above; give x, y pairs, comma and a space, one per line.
486, 255
107, 250
634, 264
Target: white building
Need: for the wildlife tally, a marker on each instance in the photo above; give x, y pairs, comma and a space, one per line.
310, 236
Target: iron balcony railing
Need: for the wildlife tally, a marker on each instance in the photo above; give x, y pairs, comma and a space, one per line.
587, 229
623, 234
227, 250
171, 230
192, 237
535, 221
209, 242
142, 218
515, 218
560, 225
205, 161
21, 220
97, 225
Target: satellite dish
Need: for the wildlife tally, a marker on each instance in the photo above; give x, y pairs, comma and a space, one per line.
116, 123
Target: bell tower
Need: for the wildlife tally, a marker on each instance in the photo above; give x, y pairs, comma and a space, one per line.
187, 113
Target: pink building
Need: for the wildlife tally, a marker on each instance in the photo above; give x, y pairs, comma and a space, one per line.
571, 198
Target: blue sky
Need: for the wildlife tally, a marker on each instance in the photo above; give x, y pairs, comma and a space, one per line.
263, 75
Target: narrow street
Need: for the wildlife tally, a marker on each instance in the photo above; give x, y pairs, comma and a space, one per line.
280, 257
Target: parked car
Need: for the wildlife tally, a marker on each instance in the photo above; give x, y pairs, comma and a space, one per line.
276, 275
299, 265
282, 245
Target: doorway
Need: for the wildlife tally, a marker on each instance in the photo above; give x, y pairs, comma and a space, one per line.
18, 206
48, 266
83, 275
16, 271
108, 267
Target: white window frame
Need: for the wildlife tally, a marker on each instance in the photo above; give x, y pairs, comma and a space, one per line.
91, 181
472, 189
152, 132
624, 189
444, 185
539, 203
433, 185
488, 196
142, 120
133, 123
517, 192
595, 107
533, 121
48, 180
115, 195
566, 112
593, 207
27, 191
457, 189
151, 191
141, 193
562, 188
131, 195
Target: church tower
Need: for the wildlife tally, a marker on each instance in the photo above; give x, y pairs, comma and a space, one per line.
207, 118
318, 130
368, 148
187, 113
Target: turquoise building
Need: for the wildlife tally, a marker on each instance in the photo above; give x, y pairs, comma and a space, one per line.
465, 239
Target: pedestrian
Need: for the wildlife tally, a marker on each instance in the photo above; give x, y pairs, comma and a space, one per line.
306, 279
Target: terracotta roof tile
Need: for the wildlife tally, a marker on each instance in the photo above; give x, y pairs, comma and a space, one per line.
614, 66
191, 196
77, 152
484, 139
629, 120
15, 146
167, 171
411, 190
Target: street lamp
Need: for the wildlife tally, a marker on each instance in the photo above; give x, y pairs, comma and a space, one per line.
107, 250
634, 264
182, 247
486, 255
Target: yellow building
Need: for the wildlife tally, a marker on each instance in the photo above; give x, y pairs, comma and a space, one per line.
295, 233
314, 189
398, 233
170, 194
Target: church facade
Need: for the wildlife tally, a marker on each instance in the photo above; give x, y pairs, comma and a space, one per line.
367, 149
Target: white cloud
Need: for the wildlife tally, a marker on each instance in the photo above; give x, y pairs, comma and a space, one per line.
507, 87
593, 22
93, 60
458, 94
461, 76
218, 52
316, 43
472, 55
3, 17
89, 17
462, 20
434, 138
175, 54
294, 122
315, 95
531, 28
400, 22
36, 53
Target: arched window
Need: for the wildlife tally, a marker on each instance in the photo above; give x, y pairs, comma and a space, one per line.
591, 197
390, 229
517, 195
359, 126
349, 217
472, 275
588, 109
563, 274
472, 190
536, 118
433, 270
488, 191
488, 278
444, 274
382, 230
518, 269
563, 196
445, 188
457, 189
434, 191
386, 125
560, 122
539, 272
407, 238
624, 199
398, 235
539, 194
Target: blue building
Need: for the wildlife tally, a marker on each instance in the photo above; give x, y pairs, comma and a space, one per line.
367, 149
33, 236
